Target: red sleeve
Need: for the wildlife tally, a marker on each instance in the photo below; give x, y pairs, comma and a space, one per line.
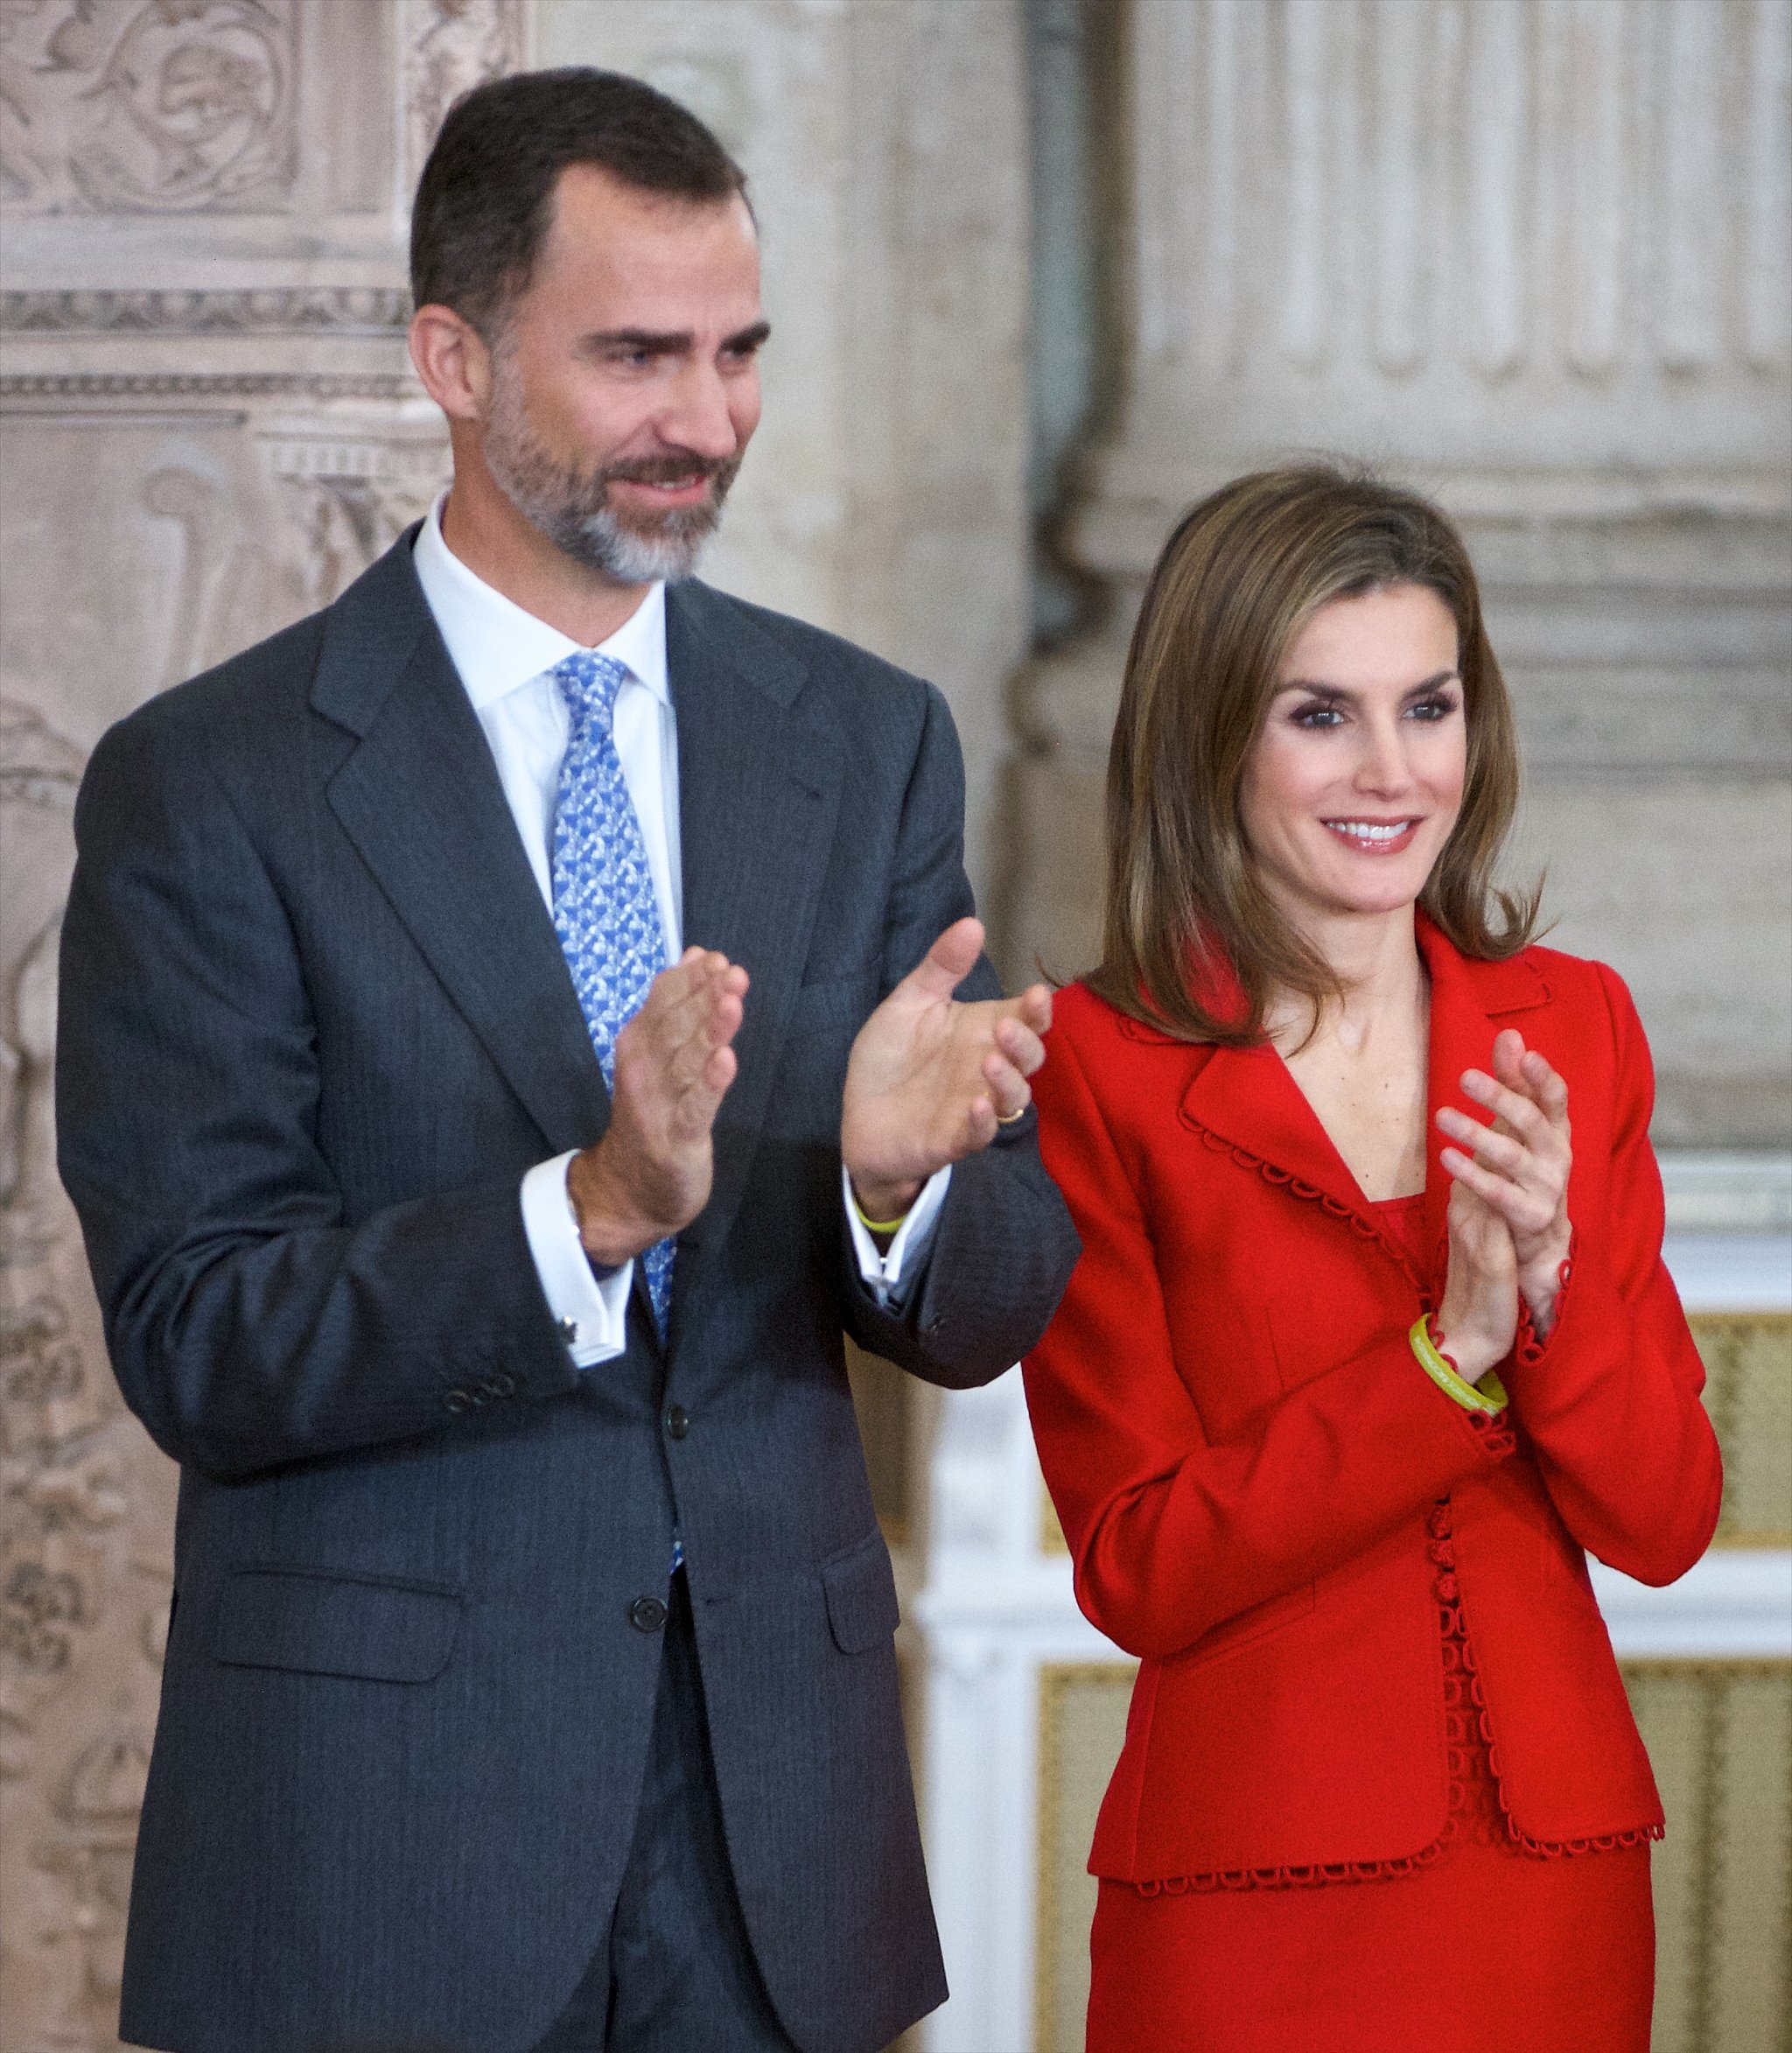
1610, 1401
1172, 1534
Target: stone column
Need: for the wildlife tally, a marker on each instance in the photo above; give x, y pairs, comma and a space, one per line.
1533, 256
207, 426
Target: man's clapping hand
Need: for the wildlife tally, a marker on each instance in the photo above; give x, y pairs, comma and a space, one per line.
650, 1173
929, 1079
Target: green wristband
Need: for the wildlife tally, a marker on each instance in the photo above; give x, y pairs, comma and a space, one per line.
1487, 1396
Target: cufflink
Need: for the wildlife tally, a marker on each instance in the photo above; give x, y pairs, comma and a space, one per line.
569, 1331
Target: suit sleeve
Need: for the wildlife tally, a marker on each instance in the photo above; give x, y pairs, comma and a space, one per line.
1173, 1534
1004, 1245
1610, 1402
249, 1322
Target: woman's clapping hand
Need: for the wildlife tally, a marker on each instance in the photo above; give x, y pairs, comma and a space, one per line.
1515, 1169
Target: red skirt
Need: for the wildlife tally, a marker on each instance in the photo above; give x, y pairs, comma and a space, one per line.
1483, 1944
1487, 1950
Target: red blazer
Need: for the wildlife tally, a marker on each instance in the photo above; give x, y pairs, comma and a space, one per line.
1243, 1452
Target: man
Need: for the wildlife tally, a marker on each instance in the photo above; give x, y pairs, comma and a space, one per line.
530, 1682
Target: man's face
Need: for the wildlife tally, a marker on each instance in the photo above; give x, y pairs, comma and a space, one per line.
626, 380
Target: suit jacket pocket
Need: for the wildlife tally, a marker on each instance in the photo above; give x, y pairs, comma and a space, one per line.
1249, 1626
860, 1586
372, 1627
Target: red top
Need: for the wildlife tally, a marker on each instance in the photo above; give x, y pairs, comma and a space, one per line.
1245, 1456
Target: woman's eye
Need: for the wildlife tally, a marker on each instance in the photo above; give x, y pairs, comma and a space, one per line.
1317, 716
1439, 706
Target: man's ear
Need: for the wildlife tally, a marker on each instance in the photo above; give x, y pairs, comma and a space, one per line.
453, 361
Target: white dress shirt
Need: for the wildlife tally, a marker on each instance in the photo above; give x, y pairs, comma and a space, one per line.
503, 655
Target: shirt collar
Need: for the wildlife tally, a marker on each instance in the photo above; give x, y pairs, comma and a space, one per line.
497, 647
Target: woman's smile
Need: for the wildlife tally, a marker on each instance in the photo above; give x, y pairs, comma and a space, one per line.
1377, 838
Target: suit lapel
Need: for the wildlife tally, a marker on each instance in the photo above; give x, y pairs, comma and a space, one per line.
421, 801
759, 774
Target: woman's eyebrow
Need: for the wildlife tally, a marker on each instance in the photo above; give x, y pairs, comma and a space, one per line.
1316, 690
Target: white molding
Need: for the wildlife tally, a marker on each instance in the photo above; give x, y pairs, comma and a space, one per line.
1735, 1604
1727, 1192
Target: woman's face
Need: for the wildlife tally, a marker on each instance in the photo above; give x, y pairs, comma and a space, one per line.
1355, 778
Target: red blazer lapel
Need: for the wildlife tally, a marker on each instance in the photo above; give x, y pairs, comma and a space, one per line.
1247, 1101
1471, 1001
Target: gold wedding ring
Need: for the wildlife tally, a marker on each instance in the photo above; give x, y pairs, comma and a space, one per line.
1008, 1118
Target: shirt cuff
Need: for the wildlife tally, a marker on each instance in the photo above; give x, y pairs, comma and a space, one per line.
890, 1275
591, 1310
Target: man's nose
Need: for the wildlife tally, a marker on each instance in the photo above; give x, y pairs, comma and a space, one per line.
700, 418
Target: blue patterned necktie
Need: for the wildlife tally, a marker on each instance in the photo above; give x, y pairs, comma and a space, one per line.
603, 907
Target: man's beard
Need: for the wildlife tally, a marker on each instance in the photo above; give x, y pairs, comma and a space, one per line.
572, 508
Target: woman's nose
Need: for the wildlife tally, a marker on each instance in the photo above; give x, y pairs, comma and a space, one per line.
1383, 766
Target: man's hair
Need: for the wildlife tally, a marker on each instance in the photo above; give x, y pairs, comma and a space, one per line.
486, 195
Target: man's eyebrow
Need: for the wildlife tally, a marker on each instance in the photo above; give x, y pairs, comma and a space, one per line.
649, 342
666, 342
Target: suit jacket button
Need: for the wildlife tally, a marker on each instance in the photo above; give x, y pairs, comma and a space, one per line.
647, 1614
677, 1421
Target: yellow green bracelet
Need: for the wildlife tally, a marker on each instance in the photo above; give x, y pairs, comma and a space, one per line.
876, 1225
1487, 1396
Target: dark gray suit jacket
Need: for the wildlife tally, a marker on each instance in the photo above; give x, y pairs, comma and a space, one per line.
315, 1025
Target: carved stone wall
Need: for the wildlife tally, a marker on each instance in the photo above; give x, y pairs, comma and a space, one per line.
207, 426
1535, 255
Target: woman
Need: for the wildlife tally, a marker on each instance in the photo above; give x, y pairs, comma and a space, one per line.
1381, 1788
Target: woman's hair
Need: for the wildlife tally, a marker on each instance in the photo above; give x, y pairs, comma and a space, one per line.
1244, 572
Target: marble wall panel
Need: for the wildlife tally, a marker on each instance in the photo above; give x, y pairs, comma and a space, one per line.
1530, 256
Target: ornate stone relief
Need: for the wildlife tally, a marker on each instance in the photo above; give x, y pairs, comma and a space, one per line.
84, 1499
233, 455
335, 310
147, 106
352, 496
451, 46
51, 386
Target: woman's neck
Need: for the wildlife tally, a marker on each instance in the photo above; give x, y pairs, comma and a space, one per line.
1376, 961
1362, 1065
